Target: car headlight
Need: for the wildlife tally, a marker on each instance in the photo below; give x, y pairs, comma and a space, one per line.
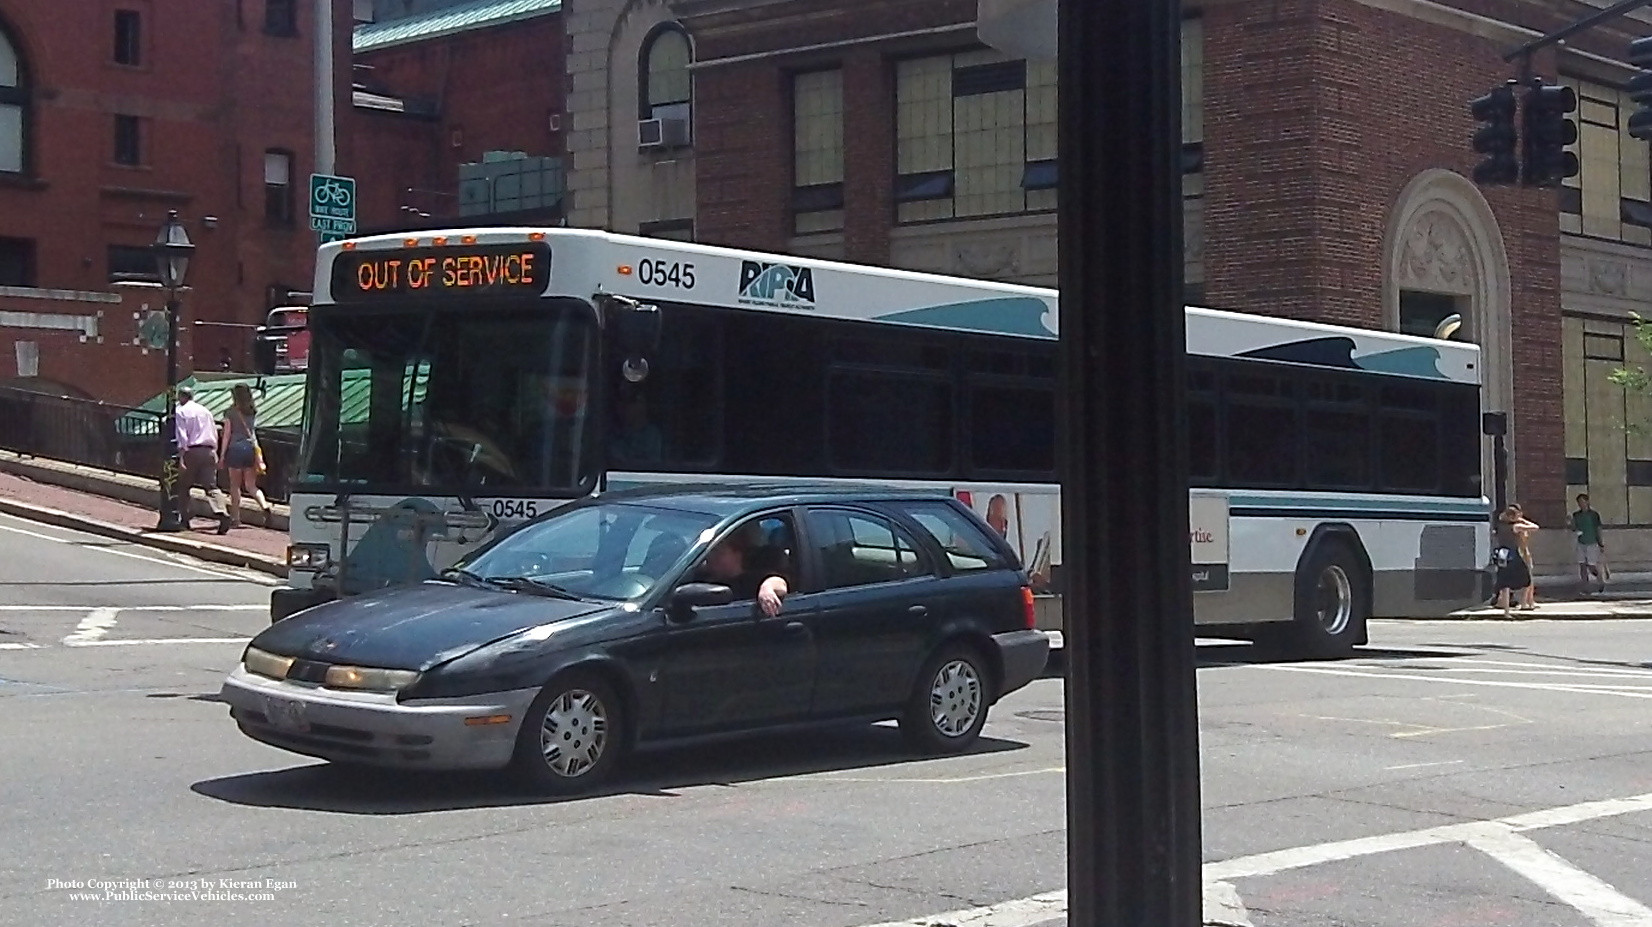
265, 663
308, 556
366, 677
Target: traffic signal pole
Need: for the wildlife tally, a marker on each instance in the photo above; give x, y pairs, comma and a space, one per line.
1133, 832
1612, 12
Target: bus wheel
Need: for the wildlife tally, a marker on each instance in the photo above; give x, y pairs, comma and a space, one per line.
1332, 603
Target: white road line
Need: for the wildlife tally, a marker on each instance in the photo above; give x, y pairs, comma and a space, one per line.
146, 559
1222, 906
1021, 912
1584, 892
1420, 765
1271, 863
23, 646
136, 608
93, 626
1629, 692
1591, 896
145, 642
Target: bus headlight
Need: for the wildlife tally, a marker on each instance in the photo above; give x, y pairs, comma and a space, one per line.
308, 556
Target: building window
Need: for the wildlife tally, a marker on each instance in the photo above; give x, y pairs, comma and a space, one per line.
16, 262
128, 140
129, 263
128, 38
281, 17
817, 151
665, 88
1601, 438
14, 103
1611, 196
975, 136
1421, 313
278, 187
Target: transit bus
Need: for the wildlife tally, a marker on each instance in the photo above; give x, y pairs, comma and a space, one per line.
463, 381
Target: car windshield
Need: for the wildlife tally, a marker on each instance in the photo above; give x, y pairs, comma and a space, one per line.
609, 551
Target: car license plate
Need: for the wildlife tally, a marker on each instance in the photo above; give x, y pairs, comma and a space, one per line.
286, 714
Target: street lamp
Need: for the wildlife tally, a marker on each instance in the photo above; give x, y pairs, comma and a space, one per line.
172, 250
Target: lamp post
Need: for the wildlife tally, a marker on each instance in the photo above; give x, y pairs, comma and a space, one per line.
172, 250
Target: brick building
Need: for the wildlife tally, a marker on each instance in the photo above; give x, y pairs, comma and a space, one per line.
457, 114
112, 113
1325, 157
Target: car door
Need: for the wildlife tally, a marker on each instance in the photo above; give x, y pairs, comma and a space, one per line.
872, 610
728, 667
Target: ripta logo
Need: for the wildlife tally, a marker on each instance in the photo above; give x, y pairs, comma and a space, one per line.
776, 285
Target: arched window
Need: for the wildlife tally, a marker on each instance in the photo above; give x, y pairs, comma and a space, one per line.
666, 87
14, 101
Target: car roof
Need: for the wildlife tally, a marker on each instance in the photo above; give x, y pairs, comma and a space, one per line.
725, 498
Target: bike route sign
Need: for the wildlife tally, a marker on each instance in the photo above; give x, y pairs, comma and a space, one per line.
332, 204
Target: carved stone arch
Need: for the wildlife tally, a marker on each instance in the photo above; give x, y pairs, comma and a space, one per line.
1443, 237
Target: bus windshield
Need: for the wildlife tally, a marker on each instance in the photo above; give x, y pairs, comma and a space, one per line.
460, 400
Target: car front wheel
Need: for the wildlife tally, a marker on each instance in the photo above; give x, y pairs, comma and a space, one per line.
570, 739
949, 706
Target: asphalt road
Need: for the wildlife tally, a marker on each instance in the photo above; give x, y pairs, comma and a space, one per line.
1413, 785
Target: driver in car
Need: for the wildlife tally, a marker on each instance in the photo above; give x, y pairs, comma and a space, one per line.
751, 570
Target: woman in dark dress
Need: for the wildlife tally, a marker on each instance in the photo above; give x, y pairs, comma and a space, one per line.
1513, 572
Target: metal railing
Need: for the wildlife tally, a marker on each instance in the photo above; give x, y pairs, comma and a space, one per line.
112, 437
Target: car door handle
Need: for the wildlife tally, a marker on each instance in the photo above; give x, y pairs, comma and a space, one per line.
793, 627
918, 611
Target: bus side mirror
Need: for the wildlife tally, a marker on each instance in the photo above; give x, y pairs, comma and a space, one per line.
635, 329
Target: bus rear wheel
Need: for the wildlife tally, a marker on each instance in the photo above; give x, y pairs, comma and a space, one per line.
1333, 602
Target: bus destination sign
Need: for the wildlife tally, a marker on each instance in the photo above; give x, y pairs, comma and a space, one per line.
468, 270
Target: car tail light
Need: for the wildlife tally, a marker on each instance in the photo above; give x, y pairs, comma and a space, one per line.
1027, 608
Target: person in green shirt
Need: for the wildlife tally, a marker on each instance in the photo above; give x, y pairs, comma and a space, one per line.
1591, 549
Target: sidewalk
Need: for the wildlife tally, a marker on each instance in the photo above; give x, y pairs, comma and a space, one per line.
120, 506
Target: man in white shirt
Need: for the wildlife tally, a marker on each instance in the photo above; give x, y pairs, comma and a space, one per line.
198, 458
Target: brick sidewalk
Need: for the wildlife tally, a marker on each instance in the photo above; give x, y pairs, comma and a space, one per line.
249, 538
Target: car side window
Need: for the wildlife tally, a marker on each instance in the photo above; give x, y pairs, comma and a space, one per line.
767, 547
967, 547
858, 549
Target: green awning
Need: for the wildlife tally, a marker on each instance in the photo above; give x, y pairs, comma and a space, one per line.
280, 401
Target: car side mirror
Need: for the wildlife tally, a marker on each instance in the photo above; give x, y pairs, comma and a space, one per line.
696, 595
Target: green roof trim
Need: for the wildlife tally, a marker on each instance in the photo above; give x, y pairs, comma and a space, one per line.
454, 19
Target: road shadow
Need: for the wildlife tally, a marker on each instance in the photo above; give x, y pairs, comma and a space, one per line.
662, 773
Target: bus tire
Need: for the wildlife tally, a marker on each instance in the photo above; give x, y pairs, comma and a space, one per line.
1333, 601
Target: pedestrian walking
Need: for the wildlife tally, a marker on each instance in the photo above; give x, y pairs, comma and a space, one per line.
1523, 530
1591, 546
243, 457
197, 457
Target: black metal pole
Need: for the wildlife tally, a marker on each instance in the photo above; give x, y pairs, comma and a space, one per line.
1621, 8
1132, 727
1500, 474
171, 518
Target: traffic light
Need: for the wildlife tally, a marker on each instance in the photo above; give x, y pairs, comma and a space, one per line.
1496, 137
1547, 133
1640, 89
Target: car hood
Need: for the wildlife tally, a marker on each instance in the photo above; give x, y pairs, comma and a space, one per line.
413, 627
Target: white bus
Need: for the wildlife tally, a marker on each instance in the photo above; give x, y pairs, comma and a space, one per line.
462, 381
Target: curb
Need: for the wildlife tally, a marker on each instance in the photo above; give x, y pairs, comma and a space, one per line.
214, 553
